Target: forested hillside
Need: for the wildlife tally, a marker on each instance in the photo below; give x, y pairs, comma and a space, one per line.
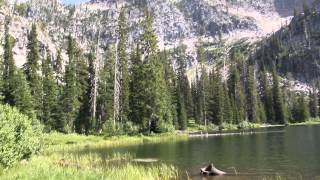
126, 82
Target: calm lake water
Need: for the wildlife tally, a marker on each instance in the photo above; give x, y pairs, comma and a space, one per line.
289, 152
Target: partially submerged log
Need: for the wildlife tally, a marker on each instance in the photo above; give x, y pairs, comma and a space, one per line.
211, 171
146, 160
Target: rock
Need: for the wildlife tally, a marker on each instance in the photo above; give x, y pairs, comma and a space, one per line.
211, 171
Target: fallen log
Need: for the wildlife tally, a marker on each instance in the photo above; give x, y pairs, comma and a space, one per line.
211, 171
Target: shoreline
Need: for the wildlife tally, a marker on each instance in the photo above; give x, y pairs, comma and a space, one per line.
249, 131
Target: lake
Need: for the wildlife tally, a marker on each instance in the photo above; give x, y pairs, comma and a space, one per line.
290, 152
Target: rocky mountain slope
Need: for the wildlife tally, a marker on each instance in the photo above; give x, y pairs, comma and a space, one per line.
294, 49
176, 21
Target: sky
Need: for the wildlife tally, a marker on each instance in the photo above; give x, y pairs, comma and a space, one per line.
74, 1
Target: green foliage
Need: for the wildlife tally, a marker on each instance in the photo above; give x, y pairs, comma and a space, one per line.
19, 138
21, 9
32, 68
21, 94
123, 59
182, 90
279, 108
105, 90
252, 102
155, 96
266, 97
236, 91
126, 128
300, 110
247, 125
69, 103
313, 104
9, 68
50, 94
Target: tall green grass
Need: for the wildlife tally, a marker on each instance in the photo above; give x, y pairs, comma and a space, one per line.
88, 167
58, 160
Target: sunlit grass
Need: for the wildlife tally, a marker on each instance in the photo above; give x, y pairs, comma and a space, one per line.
312, 121
59, 160
88, 167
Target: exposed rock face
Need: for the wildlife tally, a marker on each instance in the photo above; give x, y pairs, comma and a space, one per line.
176, 21
295, 49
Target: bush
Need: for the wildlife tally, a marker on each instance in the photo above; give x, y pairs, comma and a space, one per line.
127, 128
19, 139
247, 125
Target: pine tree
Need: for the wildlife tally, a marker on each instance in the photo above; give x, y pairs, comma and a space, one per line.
220, 102
58, 69
16, 91
157, 98
237, 94
182, 81
252, 103
69, 102
171, 81
83, 82
313, 104
21, 94
217, 108
278, 103
32, 68
306, 8
9, 69
123, 59
105, 90
300, 110
137, 90
203, 85
228, 110
266, 97
50, 94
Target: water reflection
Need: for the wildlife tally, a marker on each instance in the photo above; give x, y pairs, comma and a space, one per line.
291, 152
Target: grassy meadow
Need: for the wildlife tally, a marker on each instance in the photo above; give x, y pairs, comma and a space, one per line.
57, 160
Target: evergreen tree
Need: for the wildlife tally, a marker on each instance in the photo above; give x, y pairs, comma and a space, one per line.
83, 82
196, 96
237, 94
15, 87
50, 94
217, 102
228, 110
278, 104
137, 84
313, 104
300, 111
21, 94
266, 97
69, 102
157, 98
123, 59
182, 81
105, 90
8, 69
58, 69
252, 103
32, 68
171, 81
306, 8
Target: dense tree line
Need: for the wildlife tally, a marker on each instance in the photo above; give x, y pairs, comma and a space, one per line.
141, 90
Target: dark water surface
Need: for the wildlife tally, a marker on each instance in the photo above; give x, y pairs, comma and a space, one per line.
290, 152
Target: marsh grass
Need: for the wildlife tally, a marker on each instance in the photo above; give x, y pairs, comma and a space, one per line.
58, 160
87, 167
312, 121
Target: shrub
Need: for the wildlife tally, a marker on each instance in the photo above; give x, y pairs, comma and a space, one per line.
128, 128
19, 139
